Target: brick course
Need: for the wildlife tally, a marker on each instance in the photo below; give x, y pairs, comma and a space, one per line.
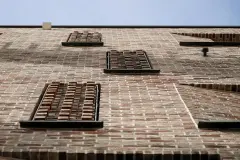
216, 86
142, 113
217, 37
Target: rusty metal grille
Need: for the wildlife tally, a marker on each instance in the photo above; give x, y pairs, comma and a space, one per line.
67, 105
128, 62
84, 39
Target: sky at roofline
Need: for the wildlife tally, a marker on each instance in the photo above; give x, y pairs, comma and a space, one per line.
121, 12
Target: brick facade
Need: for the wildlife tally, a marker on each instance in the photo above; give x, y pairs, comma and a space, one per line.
144, 115
216, 86
218, 37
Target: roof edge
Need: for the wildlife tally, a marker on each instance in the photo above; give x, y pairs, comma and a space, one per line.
113, 26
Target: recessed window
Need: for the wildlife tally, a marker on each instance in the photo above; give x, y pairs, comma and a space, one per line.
227, 39
232, 120
84, 39
67, 105
203, 44
128, 62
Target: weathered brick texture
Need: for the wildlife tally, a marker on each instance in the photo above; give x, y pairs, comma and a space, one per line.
144, 115
230, 37
216, 86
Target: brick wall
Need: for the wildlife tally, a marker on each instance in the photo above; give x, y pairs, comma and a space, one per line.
231, 37
144, 115
216, 86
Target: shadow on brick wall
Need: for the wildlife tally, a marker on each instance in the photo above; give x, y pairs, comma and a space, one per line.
83, 58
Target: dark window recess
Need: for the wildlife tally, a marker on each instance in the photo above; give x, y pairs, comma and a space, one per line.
219, 39
216, 37
128, 62
219, 124
67, 105
84, 39
128, 156
172, 156
215, 86
203, 44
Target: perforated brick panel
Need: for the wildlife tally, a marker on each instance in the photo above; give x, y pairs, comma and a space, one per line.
128, 156
128, 62
230, 37
218, 124
84, 39
71, 105
218, 39
216, 86
204, 44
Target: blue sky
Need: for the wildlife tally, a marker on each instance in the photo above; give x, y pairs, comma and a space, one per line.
120, 12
